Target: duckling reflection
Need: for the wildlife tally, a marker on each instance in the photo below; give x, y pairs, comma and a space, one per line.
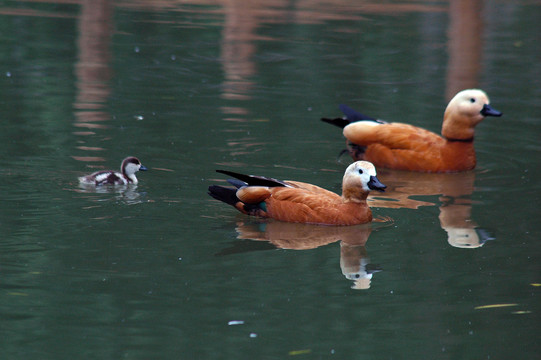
354, 260
126, 194
453, 193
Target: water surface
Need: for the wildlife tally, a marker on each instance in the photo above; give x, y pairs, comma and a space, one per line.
161, 270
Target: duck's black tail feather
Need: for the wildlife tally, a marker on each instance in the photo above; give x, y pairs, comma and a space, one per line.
253, 180
351, 115
227, 195
340, 122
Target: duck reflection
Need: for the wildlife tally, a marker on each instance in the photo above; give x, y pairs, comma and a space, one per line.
453, 192
126, 194
354, 260
356, 266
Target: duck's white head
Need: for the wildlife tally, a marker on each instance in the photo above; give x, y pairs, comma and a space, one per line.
467, 109
359, 178
130, 166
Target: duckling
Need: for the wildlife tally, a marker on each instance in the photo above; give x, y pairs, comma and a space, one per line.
129, 167
300, 202
407, 147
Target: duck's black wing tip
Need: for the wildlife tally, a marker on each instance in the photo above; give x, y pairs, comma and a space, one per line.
340, 122
353, 115
254, 180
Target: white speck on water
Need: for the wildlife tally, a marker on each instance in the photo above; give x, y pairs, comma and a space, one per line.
253, 335
136, 49
236, 322
139, 117
8, 74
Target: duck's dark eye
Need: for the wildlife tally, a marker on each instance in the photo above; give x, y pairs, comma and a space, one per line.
360, 171
472, 100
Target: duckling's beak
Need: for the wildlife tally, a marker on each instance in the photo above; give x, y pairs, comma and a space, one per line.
143, 168
375, 184
490, 111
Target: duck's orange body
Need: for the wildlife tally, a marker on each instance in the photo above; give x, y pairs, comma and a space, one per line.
297, 204
294, 201
407, 147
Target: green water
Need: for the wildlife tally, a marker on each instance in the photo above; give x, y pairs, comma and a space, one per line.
162, 271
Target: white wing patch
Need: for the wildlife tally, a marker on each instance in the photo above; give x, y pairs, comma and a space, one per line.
369, 123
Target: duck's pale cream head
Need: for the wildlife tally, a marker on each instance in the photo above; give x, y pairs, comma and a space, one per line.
467, 109
359, 179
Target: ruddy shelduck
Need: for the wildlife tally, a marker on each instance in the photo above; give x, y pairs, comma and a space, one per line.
407, 147
300, 202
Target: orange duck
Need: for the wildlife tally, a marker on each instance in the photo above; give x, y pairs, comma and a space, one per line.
407, 147
295, 201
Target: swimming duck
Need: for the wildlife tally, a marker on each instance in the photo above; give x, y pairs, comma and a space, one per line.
407, 147
129, 167
300, 202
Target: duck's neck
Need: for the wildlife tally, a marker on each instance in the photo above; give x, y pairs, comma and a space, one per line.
132, 178
354, 194
457, 128
468, 140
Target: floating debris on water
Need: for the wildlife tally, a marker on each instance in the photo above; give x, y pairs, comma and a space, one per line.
300, 352
493, 306
236, 322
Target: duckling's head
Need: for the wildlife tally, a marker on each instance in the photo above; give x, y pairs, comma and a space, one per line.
359, 179
131, 165
467, 109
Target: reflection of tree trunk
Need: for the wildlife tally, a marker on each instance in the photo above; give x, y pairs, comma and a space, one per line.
465, 45
93, 68
238, 48
93, 71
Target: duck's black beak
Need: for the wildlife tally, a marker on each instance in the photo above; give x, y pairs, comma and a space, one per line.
490, 111
375, 184
143, 168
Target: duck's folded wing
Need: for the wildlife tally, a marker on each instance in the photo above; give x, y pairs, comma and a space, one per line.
253, 194
316, 201
300, 205
392, 135
312, 188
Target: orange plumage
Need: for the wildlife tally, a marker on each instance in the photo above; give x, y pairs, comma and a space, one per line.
407, 147
300, 202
